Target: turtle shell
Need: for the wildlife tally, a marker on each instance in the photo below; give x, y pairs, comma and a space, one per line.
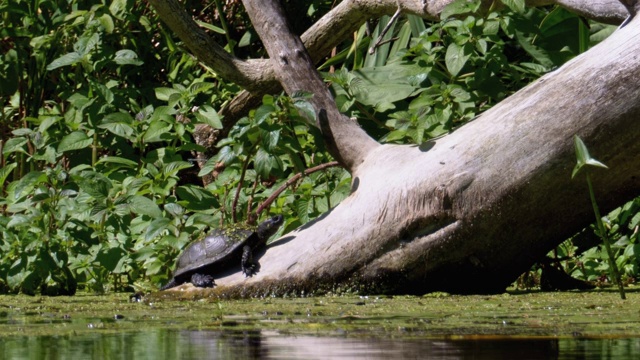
215, 251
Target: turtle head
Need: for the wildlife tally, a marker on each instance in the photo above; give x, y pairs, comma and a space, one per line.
269, 227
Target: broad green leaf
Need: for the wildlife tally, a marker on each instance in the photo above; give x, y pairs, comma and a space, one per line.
306, 110
5, 172
265, 163
71, 58
208, 167
156, 228
515, 5
18, 220
263, 112
164, 93
107, 23
144, 206
583, 157
119, 129
75, 141
174, 209
15, 144
303, 209
459, 7
95, 184
27, 183
118, 8
456, 57
127, 57
196, 198
158, 131
173, 167
200, 87
208, 115
270, 139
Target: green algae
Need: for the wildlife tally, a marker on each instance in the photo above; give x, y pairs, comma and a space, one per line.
598, 313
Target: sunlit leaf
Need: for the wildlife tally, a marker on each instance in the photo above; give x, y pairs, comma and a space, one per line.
127, 57
144, 206
156, 228
208, 115
583, 157
75, 141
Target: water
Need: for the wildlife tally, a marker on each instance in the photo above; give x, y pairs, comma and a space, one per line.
194, 344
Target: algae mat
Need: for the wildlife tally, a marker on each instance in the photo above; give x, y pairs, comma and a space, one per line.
511, 315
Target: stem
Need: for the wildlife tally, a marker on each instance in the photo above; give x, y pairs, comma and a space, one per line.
603, 235
225, 27
292, 180
94, 149
234, 205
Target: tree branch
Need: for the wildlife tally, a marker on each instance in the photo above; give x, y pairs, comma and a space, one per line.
295, 71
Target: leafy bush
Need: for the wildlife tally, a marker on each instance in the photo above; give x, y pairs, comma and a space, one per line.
98, 183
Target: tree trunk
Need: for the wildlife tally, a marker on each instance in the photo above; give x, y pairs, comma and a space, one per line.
470, 212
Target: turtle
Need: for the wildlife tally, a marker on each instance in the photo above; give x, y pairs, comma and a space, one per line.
220, 250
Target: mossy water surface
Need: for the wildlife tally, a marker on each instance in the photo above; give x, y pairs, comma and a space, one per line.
509, 315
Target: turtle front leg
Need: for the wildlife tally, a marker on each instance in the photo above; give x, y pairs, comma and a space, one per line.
248, 266
202, 280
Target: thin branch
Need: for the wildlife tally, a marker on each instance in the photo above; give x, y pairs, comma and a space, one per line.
290, 182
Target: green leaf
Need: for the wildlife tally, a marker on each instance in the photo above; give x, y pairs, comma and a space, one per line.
270, 139
75, 141
307, 111
15, 144
71, 58
107, 23
583, 157
119, 129
196, 198
263, 112
158, 131
174, 209
5, 172
144, 206
459, 7
18, 220
456, 57
164, 93
27, 183
117, 160
208, 115
95, 184
515, 5
210, 27
118, 8
265, 163
156, 228
174, 167
127, 57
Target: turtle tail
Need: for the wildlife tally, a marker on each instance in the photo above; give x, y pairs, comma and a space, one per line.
170, 284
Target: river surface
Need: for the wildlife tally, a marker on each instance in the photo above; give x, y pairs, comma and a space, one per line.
190, 325
183, 344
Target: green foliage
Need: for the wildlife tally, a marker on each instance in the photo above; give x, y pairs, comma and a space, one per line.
262, 151
94, 146
434, 78
99, 103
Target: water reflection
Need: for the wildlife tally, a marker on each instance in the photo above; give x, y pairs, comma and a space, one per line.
182, 344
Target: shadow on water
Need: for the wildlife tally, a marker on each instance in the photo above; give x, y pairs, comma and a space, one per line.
190, 344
